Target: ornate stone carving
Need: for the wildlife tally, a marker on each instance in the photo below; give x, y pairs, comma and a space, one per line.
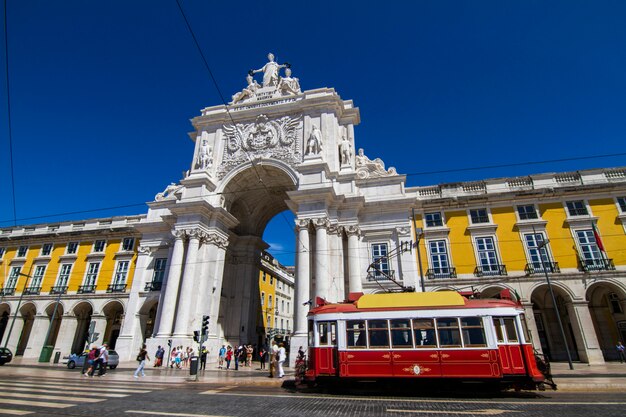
289, 85
352, 230
168, 193
247, 93
216, 239
264, 138
314, 144
205, 155
321, 223
366, 168
345, 151
179, 234
335, 229
302, 224
146, 250
270, 71
403, 231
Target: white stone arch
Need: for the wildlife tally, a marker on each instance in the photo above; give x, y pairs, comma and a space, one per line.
293, 175
607, 308
79, 303
51, 304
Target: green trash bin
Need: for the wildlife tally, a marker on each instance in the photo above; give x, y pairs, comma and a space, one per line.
46, 353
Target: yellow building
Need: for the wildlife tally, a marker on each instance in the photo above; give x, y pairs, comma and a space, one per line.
276, 292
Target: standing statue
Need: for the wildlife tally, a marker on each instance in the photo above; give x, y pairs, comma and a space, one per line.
314, 144
270, 71
248, 92
205, 156
345, 151
288, 85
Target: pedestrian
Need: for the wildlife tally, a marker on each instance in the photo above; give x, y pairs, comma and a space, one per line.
104, 359
179, 357
158, 357
272, 353
228, 356
91, 360
221, 357
300, 353
173, 356
620, 352
203, 354
282, 356
236, 354
249, 351
262, 355
141, 358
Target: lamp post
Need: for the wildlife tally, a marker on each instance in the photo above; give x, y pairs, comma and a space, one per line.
54, 314
17, 309
418, 235
541, 245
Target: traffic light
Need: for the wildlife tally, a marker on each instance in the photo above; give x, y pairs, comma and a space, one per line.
205, 325
196, 336
169, 342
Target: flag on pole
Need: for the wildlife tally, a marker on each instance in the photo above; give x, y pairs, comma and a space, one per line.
596, 236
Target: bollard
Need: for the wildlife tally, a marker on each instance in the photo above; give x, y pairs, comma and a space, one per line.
57, 357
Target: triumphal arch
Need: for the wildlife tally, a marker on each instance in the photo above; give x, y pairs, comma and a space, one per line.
273, 148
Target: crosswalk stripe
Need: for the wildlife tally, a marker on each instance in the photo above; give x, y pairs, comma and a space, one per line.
82, 381
219, 390
83, 387
51, 397
15, 412
35, 403
51, 391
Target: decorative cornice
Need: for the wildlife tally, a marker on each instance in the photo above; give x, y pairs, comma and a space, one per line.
352, 230
302, 224
321, 223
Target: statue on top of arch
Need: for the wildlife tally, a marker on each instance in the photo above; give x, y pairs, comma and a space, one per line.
273, 84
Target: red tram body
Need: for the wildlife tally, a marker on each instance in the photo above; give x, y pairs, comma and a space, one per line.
421, 336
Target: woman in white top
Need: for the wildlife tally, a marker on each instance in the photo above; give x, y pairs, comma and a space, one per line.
282, 356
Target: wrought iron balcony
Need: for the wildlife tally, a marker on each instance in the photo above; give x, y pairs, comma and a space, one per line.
435, 273
116, 288
153, 286
373, 275
58, 289
32, 290
538, 268
589, 265
87, 289
7, 291
489, 270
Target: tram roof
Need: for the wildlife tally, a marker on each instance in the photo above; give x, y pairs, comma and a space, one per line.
414, 300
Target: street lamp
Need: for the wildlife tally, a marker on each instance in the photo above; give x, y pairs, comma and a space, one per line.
541, 245
17, 309
419, 232
54, 314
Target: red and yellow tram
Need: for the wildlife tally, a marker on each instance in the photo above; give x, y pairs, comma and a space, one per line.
421, 336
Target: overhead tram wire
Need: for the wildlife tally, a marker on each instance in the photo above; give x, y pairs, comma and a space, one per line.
10, 130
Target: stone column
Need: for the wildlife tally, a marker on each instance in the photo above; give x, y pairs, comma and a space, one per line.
37, 336
355, 279
532, 325
186, 295
589, 349
337, 287
171, 288
16, 333
303, 278
217, 255
67, 331
322, 270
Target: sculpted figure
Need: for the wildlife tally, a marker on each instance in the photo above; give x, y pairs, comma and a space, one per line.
270, 71
289, 85
248, 92
368, 168
314, 144
205, 156
345, 150
168, 192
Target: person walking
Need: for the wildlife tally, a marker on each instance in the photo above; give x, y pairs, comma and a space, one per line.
273, 354
249, 351
228, 356
221, 357
104, 359
158, 357
91, 360
262, 355
620, 352
142, 357
282, 356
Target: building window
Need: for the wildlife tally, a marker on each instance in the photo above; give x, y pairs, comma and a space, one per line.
621, 202
271, 280
288, 307
128, 243
269, 301
46, 249
487, 255
264, 276
590, 252
159, 269
72, 247
1, 252
269, 321
537, 251
527, 212
64, 275
577, 208
99, 246
282, 306
121, 273
262, 298
40, 270
21, 251
13, 277
92, 273
379, 255
479, 216
433, 219
439, 258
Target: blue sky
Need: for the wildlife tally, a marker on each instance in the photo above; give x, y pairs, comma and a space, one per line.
102, 92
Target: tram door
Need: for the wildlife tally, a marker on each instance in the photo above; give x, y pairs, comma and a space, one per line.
509, 346
327, 355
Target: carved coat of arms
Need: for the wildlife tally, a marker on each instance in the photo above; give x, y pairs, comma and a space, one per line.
264, 138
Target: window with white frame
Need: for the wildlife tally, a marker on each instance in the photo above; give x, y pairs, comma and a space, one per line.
487, 254
621, 202
288, 307
1, 252
120, 273
64, 275
99, 245
576, 208
262, 298
92, 273
40, 270
380, 256
128, 243
479, 216
21, 251
271, 280
527, 212
46, 249
269, 301
282, 306
264, 276
439, 257
72, 248
589, 249
159, 269
269, 320
433, 219
537, 251
13, 277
